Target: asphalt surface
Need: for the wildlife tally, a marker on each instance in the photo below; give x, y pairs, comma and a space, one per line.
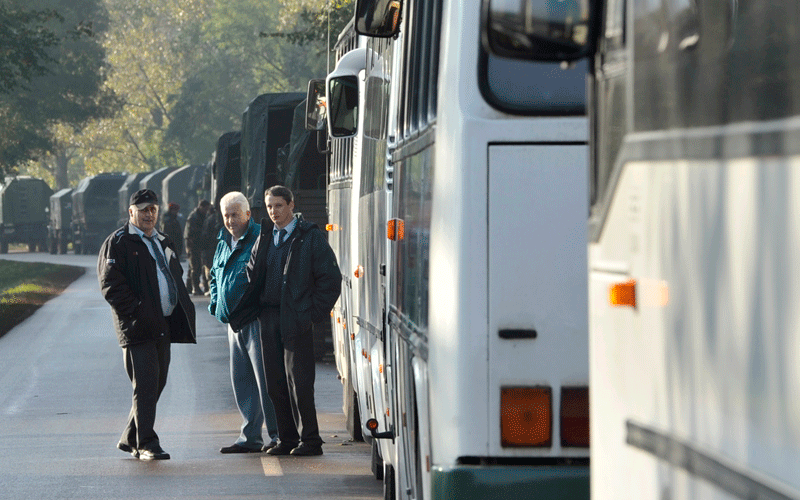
65, 397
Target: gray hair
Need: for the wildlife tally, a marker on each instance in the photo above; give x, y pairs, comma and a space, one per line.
234, 198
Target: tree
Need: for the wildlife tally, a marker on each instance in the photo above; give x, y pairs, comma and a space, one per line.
185, 70
68, 91
237, 63
24, 41
305, 21
148, 70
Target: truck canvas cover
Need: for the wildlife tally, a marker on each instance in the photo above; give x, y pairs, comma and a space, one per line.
266, 127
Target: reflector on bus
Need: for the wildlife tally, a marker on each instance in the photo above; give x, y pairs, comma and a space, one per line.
575, 417
526, 416
395, 229
623, 294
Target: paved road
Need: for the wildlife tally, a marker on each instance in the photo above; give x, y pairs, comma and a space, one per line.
64, 398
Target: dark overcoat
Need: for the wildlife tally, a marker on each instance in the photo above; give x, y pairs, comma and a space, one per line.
128, 281
311, 283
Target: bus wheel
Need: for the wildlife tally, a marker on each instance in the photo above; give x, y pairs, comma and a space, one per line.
351, 416
377, 461
388, 482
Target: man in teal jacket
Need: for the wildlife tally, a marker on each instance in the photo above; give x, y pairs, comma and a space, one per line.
227, 283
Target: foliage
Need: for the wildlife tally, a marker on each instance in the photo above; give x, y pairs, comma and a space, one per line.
24, 41
234, 66
147, 70
307, 21
185, 70
68, 91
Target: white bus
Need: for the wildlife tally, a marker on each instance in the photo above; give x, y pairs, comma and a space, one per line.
694, 288
458, 202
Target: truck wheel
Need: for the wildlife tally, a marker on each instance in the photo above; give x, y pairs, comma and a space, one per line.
3, 246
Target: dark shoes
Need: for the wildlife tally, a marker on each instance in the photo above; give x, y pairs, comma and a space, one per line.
128, 449
281, 449
237, 448
150, 454
153, 454
270, 445
306, 450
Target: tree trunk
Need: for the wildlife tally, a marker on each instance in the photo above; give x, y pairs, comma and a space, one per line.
60, 174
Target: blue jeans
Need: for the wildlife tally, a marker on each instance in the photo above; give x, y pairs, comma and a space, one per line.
250, 386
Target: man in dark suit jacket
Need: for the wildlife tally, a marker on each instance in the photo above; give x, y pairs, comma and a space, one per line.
140, 277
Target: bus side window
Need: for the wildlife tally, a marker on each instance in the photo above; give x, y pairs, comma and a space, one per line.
614, 32
609, 122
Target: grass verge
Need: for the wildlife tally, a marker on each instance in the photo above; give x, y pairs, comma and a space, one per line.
25, 286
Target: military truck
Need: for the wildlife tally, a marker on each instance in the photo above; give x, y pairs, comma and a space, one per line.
185, 187
303, 169
154, 181
266, 127
130, 186
95, 214
24, 211
59, 234
226, 166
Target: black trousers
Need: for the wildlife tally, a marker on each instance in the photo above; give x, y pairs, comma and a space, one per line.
290, 375
196, 275
147, 365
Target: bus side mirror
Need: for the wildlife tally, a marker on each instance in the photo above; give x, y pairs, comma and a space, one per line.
540, 30
343, 103
341, 94
378, 18
315, 105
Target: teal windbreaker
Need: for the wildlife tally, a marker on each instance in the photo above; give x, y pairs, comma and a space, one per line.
228, 275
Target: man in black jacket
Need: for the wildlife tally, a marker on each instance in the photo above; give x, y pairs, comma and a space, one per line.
294, 281
140, 277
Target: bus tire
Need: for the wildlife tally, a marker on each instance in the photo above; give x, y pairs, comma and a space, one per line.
377, 461
388, 482
351, 415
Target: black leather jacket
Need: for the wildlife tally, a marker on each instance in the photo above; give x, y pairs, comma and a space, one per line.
312, 281
129, 283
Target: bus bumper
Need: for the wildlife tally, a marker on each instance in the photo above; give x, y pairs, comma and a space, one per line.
504, 482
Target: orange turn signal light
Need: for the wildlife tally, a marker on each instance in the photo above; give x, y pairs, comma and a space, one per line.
395, 229
372, 425
526, 416
359, 272
623, 294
